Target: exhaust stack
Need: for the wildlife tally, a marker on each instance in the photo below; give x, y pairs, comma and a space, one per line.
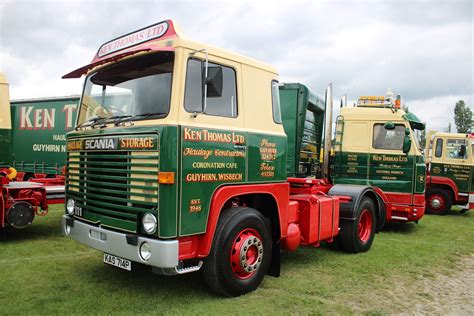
327, 131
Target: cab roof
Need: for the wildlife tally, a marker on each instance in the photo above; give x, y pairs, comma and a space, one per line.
161, 36
381, 114
372, 113
453, 135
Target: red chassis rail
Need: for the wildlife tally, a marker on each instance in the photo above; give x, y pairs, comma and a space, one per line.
306, 215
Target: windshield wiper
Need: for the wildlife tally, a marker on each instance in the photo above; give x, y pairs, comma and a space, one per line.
90, 121
142, 115
105, 120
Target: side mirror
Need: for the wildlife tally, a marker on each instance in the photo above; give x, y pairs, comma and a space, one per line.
389, 126
406, 142
214, 82
462, 151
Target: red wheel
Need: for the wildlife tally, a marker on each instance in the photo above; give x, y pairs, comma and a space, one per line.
240, 254
365, 226
247, 253
438, 201
357, 235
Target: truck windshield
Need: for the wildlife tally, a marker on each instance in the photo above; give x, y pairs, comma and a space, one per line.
136, 88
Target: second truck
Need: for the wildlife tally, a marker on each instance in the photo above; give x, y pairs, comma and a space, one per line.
451, 177
184, 159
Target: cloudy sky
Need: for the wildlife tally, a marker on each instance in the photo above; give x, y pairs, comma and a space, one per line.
420, 49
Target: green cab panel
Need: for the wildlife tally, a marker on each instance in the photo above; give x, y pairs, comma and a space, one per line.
116, 185
461, 174
211, 158
390, 173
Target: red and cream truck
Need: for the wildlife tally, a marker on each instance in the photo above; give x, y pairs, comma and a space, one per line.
180, 161
450, 180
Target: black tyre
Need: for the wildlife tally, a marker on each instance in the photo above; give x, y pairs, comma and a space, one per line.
438, 201
241, 252
28, 176
358, 235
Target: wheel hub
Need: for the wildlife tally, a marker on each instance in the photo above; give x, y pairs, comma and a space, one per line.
436, 202
247, 253
251, 253
365, 226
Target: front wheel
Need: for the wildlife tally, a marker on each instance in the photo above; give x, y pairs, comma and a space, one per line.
240, 255
438, 201
358, 235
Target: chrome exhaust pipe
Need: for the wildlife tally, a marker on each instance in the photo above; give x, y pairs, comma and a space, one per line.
327, 131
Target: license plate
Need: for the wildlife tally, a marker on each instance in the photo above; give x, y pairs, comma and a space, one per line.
118, 262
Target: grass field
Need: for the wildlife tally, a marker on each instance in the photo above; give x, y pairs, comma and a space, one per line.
43, 272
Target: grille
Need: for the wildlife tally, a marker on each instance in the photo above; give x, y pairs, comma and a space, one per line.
113, 188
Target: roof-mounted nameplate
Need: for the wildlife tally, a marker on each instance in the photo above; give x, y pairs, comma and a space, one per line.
140, 41
146, 34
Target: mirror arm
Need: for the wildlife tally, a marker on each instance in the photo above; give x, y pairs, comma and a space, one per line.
206, 66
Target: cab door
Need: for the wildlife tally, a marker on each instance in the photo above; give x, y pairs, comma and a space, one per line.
213, 145
455, 163
389, 168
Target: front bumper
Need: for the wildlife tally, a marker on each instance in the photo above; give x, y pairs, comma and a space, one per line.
164, 253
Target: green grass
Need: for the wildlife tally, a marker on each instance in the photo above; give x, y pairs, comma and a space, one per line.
43, 272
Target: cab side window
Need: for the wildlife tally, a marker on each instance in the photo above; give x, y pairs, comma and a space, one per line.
388, 139
456, 149
224, 105
439, 148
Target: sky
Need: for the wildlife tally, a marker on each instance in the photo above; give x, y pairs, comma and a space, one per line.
420, 49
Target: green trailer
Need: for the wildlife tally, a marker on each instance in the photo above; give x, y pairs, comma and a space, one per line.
36, 144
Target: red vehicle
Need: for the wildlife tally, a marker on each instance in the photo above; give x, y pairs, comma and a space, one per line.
20, 202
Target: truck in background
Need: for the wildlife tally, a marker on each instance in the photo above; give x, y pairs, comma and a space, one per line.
376, 145
36, 144
19, 201
450, 179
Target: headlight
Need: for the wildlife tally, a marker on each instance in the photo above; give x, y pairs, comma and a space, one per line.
149, 223
70, 206
145, 251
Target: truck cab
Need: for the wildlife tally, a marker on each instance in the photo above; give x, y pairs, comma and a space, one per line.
375, 144
450, 180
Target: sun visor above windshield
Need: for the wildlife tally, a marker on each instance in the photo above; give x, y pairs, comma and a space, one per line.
142, 40
414, 121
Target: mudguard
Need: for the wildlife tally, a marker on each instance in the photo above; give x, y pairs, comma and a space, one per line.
347, 210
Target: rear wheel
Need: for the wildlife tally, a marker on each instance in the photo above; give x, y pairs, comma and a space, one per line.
240, 255
438, 201
358, 235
